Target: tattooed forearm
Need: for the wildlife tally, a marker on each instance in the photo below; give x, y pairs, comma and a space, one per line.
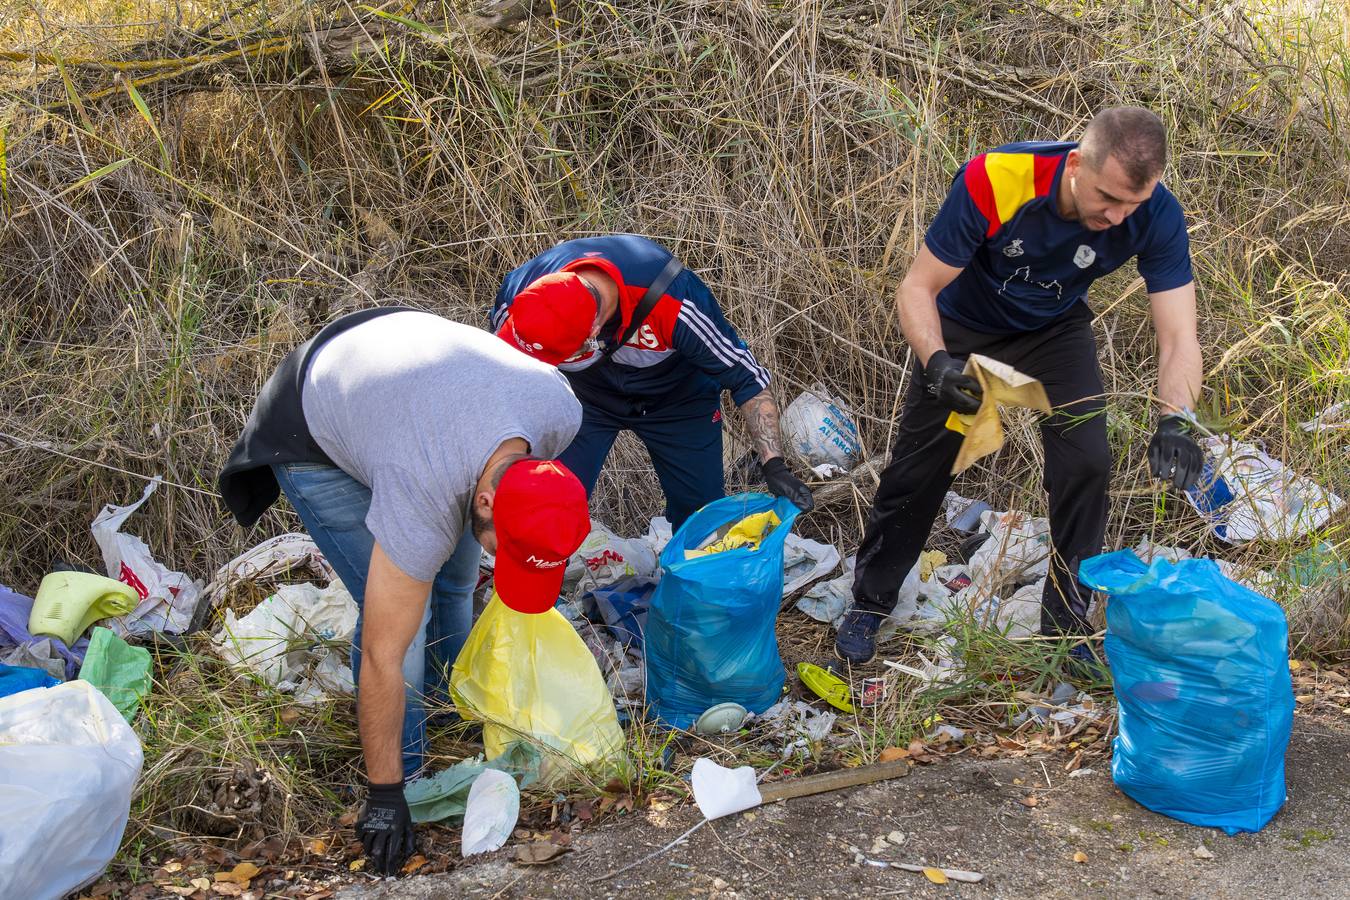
761, 416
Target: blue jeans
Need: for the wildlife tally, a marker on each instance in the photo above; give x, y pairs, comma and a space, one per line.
333, 506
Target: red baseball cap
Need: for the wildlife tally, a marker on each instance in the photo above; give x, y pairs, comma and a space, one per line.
551, 318
539, 513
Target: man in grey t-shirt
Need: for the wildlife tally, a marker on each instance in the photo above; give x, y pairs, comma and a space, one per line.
406, 443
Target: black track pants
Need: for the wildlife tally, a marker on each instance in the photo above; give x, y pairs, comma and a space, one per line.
1063, 357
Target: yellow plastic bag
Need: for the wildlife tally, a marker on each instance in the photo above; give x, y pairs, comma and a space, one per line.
747, 533
530, 676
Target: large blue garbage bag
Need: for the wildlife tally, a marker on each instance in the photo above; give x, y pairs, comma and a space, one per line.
710, 634
1201, 671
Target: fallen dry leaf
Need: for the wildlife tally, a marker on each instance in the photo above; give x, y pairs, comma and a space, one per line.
174, 866
414, 864
1295, 665
180, 891
891, 754
348, 819
201, 884
318, 847
241, 874
1079, 856
539, 853
917, 747
1031, 801
227, 889
937, 876
357, 865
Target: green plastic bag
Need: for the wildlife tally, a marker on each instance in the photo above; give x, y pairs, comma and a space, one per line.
120, 671
443, 796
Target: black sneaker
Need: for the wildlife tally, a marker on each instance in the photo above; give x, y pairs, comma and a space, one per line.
856, 641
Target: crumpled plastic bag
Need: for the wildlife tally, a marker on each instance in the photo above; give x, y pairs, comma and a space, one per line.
1017, 551
1016, 616
295, 640
919, 599
799, 724
68, 763
816, 425
120, 671
530, 676
805, 561
604, 558
1003, 386
168, 599
38, 654
21, 648
1245, 494
491, 812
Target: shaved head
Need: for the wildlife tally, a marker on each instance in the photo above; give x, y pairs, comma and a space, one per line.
1132, 136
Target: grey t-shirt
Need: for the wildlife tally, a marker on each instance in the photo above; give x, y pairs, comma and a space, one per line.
412, 406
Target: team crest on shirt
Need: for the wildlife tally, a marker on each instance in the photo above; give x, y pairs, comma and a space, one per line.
1084, 257
1014, 248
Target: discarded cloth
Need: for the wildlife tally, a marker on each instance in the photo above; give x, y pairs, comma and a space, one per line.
14, 679
22, 648
622, 606
1003, 386
1244, 494
120, 671
168, 599
746, 534
805, 561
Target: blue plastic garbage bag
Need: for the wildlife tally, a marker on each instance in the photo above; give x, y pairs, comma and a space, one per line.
710, 634
622, 606
1201, 671
20, 678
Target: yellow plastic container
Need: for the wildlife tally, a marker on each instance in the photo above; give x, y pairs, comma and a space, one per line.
67, 603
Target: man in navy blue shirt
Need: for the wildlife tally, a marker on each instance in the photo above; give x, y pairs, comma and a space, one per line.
655, 368
1004, 272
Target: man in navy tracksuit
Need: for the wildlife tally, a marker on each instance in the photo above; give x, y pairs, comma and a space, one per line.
572, 305
1004, 271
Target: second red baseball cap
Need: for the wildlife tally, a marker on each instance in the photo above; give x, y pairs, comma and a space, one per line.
551, 318
540, 516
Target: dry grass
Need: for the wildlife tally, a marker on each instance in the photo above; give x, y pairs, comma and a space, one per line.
163, 246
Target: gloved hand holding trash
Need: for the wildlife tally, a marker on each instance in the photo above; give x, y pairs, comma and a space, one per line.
1173, 455
385, 828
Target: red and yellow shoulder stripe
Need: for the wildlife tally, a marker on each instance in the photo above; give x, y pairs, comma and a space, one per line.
1002, 183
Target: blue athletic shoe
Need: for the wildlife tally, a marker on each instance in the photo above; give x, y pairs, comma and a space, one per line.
856, 641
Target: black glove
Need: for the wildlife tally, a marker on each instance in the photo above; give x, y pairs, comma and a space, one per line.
1174, 454
385, 828
782, 483
953, 389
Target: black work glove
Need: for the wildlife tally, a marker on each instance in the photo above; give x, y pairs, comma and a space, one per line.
953, 389
1173, 454
385, 828
782, 483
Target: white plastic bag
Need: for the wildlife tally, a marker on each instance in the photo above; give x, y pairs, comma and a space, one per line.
283, 640
68, 762
168, 599
604, 557
1245, 494
720, 791
805, 561
283, 555
1017, 551
816, 426
491, 812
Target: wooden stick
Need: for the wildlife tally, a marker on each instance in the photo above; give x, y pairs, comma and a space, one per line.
833, 781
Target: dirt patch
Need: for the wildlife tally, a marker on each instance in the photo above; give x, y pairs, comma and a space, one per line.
965, 814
